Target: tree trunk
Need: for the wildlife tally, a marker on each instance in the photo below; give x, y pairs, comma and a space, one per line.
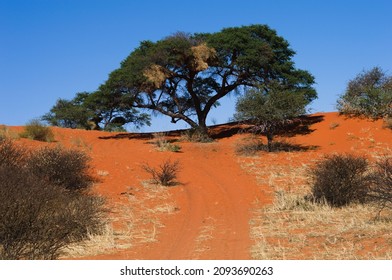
202, 126
270, 137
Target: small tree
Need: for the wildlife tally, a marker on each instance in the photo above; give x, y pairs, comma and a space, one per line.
369, 94
96, 110
270, 109
70, 113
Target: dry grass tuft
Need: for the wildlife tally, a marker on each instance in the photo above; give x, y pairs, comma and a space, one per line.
163, 144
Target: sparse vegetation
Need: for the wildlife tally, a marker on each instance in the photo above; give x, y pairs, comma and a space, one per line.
195, 135
300, 226
40, 216
35, 130
249, 146
165, 174
163, 144
341, 180
295, 227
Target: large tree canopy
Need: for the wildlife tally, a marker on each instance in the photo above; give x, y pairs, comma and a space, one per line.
184, 75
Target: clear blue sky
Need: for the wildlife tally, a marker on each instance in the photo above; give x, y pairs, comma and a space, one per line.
51, 49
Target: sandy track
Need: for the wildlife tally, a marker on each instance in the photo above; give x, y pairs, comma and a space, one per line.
215, 200
215, 209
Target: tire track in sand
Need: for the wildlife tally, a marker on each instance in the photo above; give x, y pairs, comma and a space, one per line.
215, 206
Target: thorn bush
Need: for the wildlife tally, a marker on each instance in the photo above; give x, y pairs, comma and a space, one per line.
381, 187
340, 180
66, 168
40, 216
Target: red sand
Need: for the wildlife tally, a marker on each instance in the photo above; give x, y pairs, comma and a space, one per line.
216, 196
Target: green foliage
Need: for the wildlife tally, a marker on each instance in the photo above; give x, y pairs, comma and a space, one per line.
97, 110
340, 180
184, 76
369, 94
70, 113
35, 130
273, 106
270, 109
38, 217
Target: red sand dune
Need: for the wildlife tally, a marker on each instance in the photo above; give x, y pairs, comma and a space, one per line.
214, 202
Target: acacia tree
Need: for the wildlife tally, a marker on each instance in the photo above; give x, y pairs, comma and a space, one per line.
97, 110
69, 113
183, 76
369, 94
270, 110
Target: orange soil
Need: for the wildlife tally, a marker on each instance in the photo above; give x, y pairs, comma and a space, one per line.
216, 197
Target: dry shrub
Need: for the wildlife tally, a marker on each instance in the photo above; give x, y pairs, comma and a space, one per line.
195, 135
6, 133
39, 219
165, 174
10, 154
40, 211
66, 168
35, 130
341, 180
163, 144
381, 189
